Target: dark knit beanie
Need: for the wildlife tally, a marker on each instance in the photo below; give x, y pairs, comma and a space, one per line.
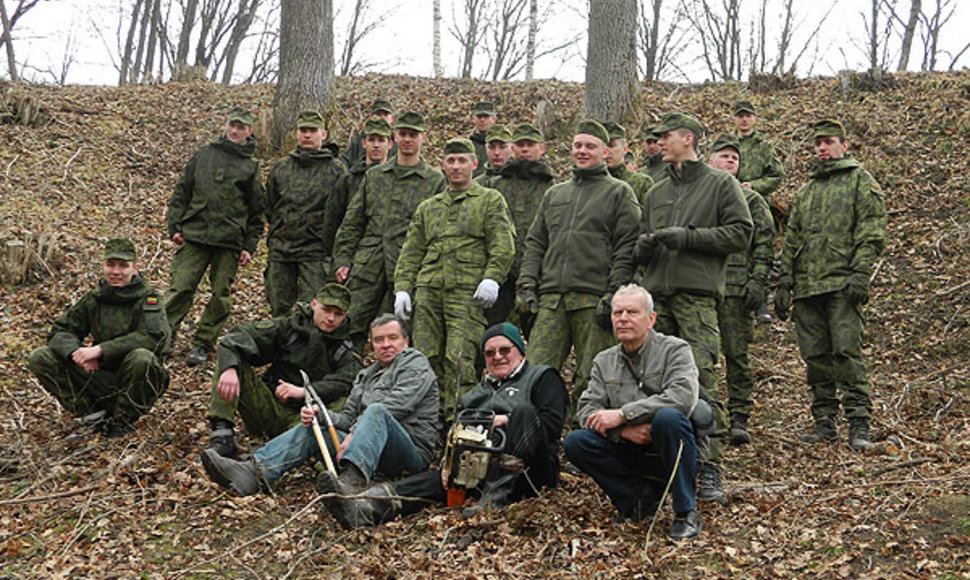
509, 331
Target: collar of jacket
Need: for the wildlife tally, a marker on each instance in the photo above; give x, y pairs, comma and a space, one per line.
302, 322
402, 171
245, 149
651, 161
826, 168
309, 156
641, 352
594, 172
754, 136
496, 383
689, 170
108, 294
478, 137
527, 169
452, 196
619, 172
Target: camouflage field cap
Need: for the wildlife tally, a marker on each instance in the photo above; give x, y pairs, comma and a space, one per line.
498, 133
591, 127
615, 130
336, 295
381, 106
650, 134
484, 108
241, 115
725, 140
377, 127
410, 120
527, 132
120, 249
672, 121
459, 145
828, 128
311, 119
743, 107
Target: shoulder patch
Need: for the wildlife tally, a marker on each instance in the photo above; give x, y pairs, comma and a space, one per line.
152, 302
264, 324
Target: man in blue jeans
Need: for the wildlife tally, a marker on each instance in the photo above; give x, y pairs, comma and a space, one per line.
636, 413
389, 424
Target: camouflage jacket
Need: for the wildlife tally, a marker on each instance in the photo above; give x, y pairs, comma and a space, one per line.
118, 319
379, 213
837, 228
654, 167
759, 166
755, 262
289, 344
583, 236
640, 182
489, 174
337, 203
355, 153
457, 239
710, 204
298, 192
218, 201
478, 139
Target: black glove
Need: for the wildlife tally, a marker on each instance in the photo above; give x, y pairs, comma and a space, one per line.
526, 301
675, 238
782, 302
644, 249
754, 294
604, 308
857, 288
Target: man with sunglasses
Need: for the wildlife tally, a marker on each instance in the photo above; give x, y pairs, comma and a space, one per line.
530, 405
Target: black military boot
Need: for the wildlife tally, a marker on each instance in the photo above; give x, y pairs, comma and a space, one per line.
824, 430
351, 481
503, 474
221, 438
859, 434
240, 476
739, 429
197, 356
368, 508
709, 483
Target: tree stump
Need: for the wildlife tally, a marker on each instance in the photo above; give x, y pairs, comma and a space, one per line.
13, 262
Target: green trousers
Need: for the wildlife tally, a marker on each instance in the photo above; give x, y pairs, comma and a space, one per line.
188, 266
288, 282
263, 414
370, 294
736, 325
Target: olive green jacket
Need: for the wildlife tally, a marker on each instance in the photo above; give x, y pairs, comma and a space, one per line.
583, 236
653, 167
218, 201
837, 228
118, 319
755, 262
457, 239
478, 140
759, 165
338, 202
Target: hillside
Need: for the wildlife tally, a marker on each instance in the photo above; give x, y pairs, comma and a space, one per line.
93, 163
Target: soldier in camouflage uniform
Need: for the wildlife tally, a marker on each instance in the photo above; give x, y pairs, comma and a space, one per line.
746, 287
652, 164
498, 148
356, 151
836, 230
692, 220
483, 117
760, 169
299, 190
313, 339
523, 181
116, 379
459, 248
579, 250
616, 151
215, 217
376, 223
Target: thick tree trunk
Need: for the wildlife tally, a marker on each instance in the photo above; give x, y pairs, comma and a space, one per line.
611, 67
306, 62
530, 58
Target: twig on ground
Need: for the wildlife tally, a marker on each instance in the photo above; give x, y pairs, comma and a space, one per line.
53, 496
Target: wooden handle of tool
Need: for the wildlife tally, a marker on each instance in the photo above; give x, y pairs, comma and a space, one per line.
323, 447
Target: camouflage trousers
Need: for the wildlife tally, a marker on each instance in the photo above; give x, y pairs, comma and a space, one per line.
693, 318
124, 394
290, 281
370, 296
448, 324
566, 321
263, 414
737, 331
188, 266
830, 329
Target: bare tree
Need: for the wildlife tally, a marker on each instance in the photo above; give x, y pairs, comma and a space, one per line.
506, 50
467, 29
909, 31
660, 40
9, 21
439, 70
785, 59
530, 51
932, 25
719, 30
611, 66
360, 26
877, 37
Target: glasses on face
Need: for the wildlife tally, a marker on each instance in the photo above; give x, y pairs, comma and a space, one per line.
502, 350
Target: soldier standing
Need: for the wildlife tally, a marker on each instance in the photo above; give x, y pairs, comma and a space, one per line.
836, 230
483, 117
652, 163
760, 169
356, 152
298, 192
116, 379
693, 219
615, 158
498, 148
376, 223
579, 250
215, 217
459, 248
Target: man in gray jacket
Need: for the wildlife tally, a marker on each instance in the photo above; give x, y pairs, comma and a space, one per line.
389, 424
636, 413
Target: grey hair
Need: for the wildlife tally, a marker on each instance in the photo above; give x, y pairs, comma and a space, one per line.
637, 290
388, 318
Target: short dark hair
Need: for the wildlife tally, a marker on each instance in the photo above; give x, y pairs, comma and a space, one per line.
388, 318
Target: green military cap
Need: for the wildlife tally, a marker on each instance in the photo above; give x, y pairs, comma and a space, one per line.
310, 119
410, 120
591, 127
527, 132
828, 128
498, 132
743, 107
377, 127
121, 249
673, 121
725, 140
615, 130
241, 115
484, 108
336, 295
381, 106
650, 134
459, 145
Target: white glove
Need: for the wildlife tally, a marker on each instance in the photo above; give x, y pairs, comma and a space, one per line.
402, 305
487, 292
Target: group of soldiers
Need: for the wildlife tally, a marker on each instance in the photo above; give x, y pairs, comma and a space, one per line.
645, 274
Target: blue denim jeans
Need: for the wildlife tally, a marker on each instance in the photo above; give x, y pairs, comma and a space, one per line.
627, 472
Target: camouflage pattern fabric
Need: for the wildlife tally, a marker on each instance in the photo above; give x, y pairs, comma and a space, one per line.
736, 325
759, 165
288, 282
481, 152
640, 182
188, 266
263, 414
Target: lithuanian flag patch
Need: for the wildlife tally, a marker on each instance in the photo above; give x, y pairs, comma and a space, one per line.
151, 301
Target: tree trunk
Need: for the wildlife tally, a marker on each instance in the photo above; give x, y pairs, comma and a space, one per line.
874, 37
8, 41
124, 72
188, 23
611, 67
306, 62
909, 31
530, 59
244, 19
436, 41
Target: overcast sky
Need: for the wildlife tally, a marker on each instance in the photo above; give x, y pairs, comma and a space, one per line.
87, 31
